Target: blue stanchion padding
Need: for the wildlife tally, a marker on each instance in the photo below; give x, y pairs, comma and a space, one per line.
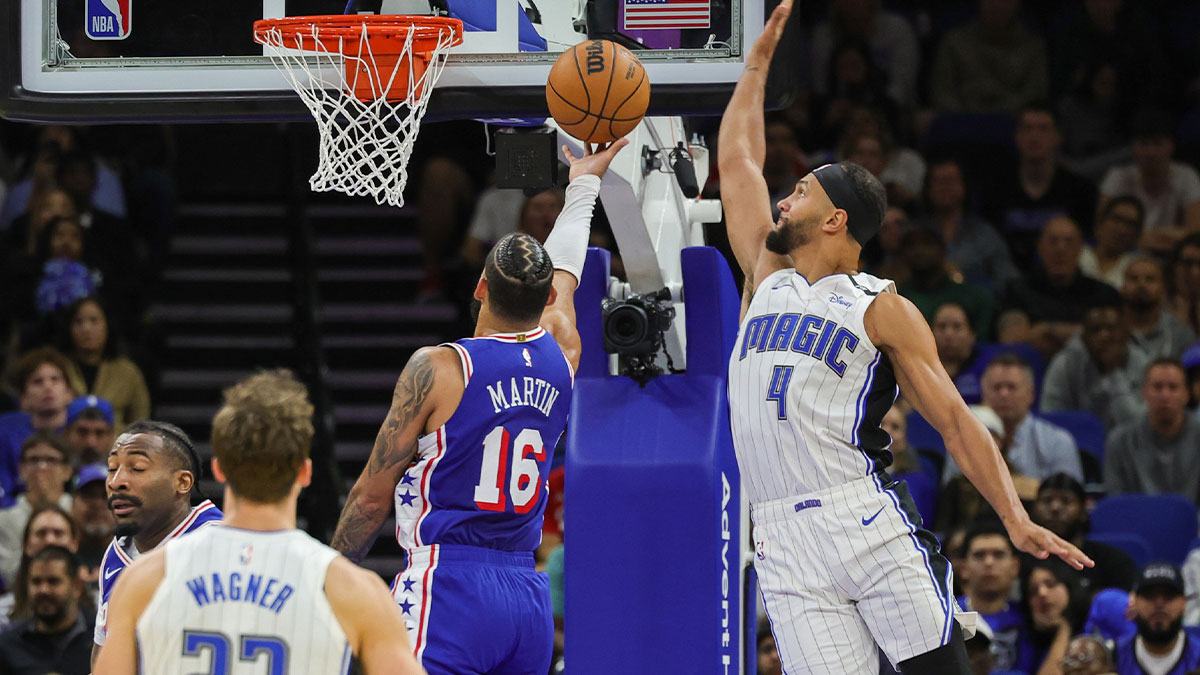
712, 324
652, 500
589, 316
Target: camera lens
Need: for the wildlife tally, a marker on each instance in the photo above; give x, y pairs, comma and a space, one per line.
627, 327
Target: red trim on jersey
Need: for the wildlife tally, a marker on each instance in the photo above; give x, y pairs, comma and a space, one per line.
424, 488
515, 337
426, 602
467, 365
122, 554
179, 529
570, 369
187, 522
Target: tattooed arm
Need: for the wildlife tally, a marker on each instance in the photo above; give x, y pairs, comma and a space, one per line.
370, 499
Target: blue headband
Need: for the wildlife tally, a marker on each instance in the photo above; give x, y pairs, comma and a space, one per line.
859, 220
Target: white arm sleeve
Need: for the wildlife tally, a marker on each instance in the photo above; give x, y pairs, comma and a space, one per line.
567, 243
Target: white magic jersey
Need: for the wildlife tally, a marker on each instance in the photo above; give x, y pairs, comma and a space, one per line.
807, 389
240, 601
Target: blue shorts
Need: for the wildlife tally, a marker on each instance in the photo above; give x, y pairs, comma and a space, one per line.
474, 610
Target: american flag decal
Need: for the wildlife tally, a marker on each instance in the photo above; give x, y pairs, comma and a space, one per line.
652, 14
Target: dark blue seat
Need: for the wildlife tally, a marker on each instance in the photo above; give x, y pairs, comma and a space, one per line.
1089, 435
1167, 522
1134, 545
922, 436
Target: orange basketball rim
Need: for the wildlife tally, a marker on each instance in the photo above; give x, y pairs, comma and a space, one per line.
375, 47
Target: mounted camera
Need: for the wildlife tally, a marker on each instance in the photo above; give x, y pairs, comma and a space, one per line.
635, 329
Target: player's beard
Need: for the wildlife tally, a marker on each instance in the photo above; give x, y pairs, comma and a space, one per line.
788, 236
127, 529
1159, 638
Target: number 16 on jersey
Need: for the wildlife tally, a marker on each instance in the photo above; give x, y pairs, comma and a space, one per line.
522, 479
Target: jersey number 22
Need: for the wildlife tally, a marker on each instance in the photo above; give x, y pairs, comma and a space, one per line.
251, 647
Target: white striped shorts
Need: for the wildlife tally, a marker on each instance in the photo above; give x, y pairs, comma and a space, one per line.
846, 568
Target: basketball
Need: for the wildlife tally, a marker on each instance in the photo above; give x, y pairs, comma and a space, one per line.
597, 91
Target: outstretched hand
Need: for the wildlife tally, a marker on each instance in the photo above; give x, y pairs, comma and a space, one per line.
764, 47
1042, 543
595, 160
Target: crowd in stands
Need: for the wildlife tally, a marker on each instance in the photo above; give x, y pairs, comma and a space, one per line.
1044, 216
74, 263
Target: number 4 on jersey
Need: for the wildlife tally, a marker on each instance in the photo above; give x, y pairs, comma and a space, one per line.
523, 481
777, 392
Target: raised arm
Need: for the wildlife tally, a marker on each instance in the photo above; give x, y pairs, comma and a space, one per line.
568, 241
897, 328
370, 500
741, 148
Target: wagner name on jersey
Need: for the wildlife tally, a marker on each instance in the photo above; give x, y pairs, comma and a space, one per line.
122, 552
236, 601
807, 388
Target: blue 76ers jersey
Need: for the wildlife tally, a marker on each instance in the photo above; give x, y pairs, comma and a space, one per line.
480, 479
121, 553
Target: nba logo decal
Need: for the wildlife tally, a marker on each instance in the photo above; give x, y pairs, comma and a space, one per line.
108, 19
247, 554
528, 361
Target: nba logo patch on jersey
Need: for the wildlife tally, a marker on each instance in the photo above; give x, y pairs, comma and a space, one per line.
108, 19
247, 554
528, 359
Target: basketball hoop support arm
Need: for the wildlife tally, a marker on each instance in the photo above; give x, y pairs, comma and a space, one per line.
651, 219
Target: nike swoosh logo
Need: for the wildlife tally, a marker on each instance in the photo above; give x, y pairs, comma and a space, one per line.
868, 521
114, 571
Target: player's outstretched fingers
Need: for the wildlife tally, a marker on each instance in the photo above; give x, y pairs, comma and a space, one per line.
1072, 555
764, 46
779, 17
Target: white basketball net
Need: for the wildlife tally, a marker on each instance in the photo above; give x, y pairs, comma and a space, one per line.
365, 145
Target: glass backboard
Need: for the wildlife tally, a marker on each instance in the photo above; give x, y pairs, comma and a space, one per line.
151, 61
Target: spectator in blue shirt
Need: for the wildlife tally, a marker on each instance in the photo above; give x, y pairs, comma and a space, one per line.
1162, 646
41, 377
991, 569
1032, 446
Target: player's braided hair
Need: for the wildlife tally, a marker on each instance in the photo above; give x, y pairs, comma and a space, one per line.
519, 256
519, 273
174, 440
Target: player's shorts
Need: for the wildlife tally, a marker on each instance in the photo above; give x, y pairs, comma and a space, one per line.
846, 568
475, 610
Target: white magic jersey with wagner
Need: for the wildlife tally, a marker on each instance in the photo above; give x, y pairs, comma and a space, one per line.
807, 388
241, 602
